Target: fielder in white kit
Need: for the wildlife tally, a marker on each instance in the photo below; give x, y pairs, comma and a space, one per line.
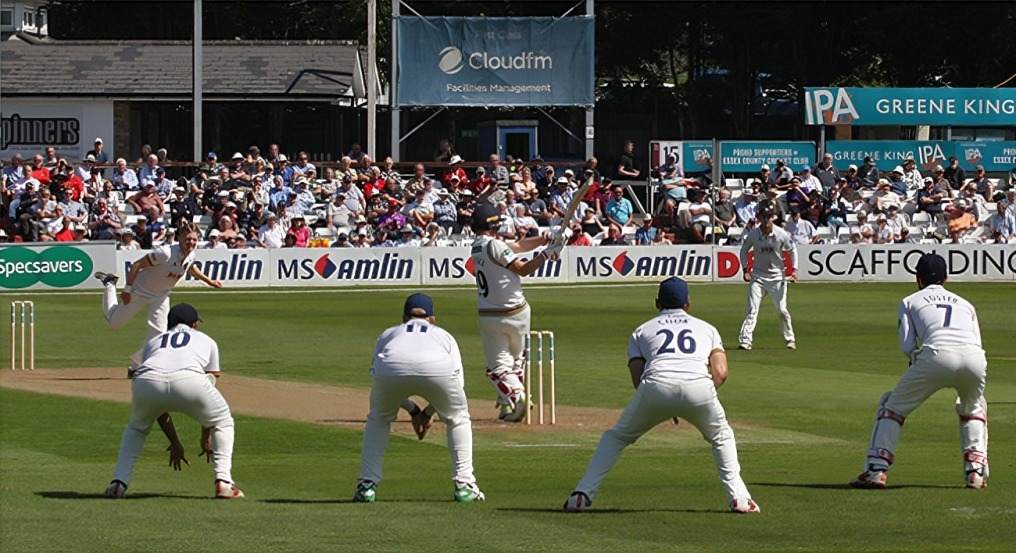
676, 362
940, 335
149, 283
176, 375
767, 276
420, 358
504, 313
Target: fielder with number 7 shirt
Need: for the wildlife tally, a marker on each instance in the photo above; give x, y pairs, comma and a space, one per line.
676, 361
504, 313
939, 334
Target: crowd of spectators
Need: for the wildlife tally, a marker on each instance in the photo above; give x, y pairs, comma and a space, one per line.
862, 206
265, 199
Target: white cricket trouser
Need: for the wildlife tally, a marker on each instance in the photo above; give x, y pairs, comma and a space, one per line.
118, 314
963, 368
757, 289
504, 344
193, 394
445, 394
656, 401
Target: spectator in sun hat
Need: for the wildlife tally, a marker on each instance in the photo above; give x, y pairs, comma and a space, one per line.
911, 176
869, 173
97, 152
454, 169
84, 170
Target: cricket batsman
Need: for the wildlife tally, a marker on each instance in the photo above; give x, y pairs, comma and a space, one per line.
767, 276
417, 357
940, 336
149, 283
176, 374
504, 313
676, 362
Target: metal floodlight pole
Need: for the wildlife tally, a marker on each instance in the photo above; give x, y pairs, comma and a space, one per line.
590, 132
197, 74
371, 76
396, 114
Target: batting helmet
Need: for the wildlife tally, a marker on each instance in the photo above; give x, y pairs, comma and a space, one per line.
485, 217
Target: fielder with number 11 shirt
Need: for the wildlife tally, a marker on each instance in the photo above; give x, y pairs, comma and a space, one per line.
767, 276
504, 313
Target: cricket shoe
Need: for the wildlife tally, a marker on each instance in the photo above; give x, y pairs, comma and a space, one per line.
577, 502
227, 490
116, 490
518, 412
745, 347
744, 506
977, 479
421, 424
791, 345
467, 493
870, 480
366, 492
106, 278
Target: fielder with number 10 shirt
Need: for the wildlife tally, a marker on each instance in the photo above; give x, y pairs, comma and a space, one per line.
504, 313
676, 362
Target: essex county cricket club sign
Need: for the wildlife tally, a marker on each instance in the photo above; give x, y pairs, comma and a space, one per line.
911, 106
494, 61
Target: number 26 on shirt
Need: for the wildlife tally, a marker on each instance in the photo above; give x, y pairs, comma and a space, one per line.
685, 342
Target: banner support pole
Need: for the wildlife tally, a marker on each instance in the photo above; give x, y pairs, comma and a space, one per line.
396, 113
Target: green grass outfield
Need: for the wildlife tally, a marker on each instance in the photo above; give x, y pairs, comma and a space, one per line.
802, 421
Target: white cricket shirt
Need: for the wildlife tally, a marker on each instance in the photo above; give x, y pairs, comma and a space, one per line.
180, 349
168, 266
769, 250
498, 288
675, 345
937, 318
416, 348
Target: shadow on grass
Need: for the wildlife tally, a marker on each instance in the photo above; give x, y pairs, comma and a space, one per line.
611, 511
63, 494
827, 486
286, 501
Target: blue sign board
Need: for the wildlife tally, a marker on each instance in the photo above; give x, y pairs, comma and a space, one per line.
749, 156
495, 61
911, 106
696, 156
887, 154
993, 156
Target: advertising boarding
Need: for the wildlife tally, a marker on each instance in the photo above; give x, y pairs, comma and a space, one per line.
495, 61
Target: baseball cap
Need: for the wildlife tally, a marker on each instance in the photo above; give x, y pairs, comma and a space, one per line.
764, 167
673, 293
237, 155
931, 268
422, 302
98, 140
212, 155
183, 313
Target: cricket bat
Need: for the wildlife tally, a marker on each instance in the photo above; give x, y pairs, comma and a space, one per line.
573, 206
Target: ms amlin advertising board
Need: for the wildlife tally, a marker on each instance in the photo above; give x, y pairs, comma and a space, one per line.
71, 265
495, 61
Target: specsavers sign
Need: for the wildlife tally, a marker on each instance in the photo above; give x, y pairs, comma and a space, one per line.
60, 266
